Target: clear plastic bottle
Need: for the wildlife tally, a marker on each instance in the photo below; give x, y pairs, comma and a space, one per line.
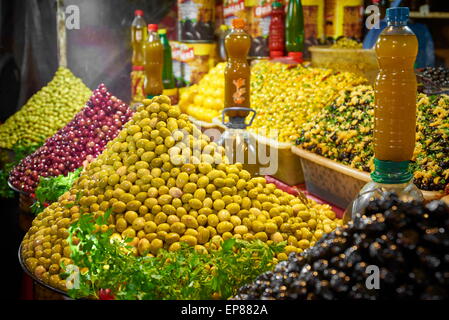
395, 115
389, 176
395, 89
138, 37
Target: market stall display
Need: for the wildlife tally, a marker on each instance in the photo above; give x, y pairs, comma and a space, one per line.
343, 132
264, 155
46, 111
154, 59
406, 241
161, 198
83, 138
284, 96
433, 80
204, 100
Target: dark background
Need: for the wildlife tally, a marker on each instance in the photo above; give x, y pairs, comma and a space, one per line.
98, 52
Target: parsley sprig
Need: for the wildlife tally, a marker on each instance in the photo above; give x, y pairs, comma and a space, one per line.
51, 188
183, 274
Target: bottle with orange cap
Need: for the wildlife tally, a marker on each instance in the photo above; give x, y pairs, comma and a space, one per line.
138, 37
239, 144
237, 71
154, 60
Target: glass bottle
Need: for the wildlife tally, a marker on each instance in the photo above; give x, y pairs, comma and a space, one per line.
294, 30
168, 78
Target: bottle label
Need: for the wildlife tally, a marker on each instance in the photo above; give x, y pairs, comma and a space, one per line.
196, 20
240, 91
137, 85
139, 35
233, 9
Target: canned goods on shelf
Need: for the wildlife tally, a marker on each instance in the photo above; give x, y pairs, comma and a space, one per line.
196, 20
197, 59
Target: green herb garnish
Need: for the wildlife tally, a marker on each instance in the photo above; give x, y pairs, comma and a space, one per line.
50, 189
182, 274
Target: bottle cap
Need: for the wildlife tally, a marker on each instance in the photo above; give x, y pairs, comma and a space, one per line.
276, 54
297, 56
238, 23
138, 13
152, 27
276, 4
162, 31
391, 172
398, 14
138, 68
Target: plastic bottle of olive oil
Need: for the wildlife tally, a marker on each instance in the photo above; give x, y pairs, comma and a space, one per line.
154, 59
395, 92
238, 143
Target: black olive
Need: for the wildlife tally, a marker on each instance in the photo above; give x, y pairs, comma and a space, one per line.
407, 241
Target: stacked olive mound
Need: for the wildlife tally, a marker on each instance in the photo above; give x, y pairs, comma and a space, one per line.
343, 130
162, 191
47, 111
405, 245
285, 96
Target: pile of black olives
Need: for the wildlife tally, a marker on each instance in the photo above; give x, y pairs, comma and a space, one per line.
438, 77
404, 245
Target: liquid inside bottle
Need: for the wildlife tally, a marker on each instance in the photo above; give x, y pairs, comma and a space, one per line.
237, 71
395, 116
138, 38
154, 59
294, 27
395, 93
239, 144
168, 78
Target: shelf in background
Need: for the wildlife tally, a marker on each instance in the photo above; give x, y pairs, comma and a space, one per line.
430, 15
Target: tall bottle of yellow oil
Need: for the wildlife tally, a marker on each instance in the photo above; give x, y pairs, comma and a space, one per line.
154, 60
138, 37
238, 143
395, 92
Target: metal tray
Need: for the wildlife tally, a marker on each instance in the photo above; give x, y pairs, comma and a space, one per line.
37, 280
17, 190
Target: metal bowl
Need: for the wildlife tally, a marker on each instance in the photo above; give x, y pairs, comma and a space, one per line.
37, 280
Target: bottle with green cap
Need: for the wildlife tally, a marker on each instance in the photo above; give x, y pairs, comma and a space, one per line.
168, 78
395, 92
